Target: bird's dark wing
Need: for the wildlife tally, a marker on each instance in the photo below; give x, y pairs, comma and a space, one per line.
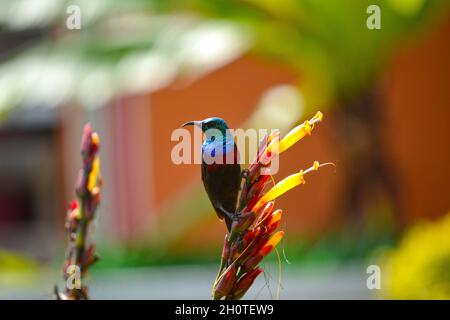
222, 184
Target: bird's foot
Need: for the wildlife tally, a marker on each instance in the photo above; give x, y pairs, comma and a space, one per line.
245, 173
230, 215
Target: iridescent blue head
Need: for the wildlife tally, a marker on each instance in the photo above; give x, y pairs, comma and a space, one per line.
210, 126
218, 146
210, 123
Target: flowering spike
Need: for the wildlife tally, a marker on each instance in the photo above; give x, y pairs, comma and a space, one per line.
253, 232
81, 213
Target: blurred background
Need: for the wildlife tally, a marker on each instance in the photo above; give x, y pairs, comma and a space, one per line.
136, 70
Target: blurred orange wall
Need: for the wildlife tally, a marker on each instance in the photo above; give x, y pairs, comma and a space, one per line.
417, 114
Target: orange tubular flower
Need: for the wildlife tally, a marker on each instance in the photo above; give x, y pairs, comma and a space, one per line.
299, 132
253, 235
271, 243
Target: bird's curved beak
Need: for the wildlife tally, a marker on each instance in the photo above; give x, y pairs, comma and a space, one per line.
192, 123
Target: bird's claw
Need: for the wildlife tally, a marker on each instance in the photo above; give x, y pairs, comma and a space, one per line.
245, 173
231, 215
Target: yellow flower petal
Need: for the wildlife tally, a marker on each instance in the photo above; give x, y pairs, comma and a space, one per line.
287, 184
93, 175
275, 217
281, 187
299, 132
275, 239
272, 243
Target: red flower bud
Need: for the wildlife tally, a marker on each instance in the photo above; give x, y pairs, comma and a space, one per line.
226, 249
245, 282
252, 262
265, 212
226, 282
242, 223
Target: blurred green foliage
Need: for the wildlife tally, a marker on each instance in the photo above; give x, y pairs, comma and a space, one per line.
326, 41
338, 246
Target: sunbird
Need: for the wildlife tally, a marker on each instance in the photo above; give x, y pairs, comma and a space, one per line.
221, 179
